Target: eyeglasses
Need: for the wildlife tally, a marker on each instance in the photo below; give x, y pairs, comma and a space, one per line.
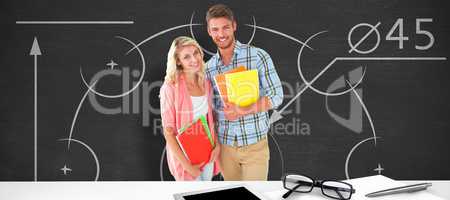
304, 184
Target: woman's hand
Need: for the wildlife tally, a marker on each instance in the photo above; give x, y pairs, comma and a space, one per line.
215, 154
194, 170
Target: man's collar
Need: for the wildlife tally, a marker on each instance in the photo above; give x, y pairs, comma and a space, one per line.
237, 47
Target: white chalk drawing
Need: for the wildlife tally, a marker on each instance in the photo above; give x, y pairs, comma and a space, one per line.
94, 156
367, 114
354, 47
132, 89
74, 22
347, 160
111, 64
379, 169
65, 169
76, 114
276, 115
35, 51
354, 121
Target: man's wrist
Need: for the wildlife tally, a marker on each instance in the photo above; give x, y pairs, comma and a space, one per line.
263, 104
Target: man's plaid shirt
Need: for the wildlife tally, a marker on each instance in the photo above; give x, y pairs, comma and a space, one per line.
251, 128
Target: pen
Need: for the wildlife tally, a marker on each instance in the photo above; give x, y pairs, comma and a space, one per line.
402, 189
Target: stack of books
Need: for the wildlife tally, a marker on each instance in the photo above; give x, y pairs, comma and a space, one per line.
196, 141
238, 86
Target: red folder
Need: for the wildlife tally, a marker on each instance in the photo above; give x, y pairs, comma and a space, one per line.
195, 143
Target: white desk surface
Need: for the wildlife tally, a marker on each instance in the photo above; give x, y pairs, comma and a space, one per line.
145, 190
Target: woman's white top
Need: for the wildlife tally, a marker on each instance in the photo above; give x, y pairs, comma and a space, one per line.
199, 106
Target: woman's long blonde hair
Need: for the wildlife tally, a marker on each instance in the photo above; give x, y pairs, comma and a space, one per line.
173, 70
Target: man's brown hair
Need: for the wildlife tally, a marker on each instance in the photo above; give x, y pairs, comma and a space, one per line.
219, 10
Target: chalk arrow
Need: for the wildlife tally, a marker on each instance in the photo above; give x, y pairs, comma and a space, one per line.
276, 115
35, 51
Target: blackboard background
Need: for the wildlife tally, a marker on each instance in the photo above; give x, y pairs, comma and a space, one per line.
408, 100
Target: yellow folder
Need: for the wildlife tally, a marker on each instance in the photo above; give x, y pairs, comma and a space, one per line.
242, 87
222, 84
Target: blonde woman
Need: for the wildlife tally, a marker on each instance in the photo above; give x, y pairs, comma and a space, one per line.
185, 95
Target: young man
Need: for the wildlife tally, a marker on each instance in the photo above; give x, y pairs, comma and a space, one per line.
242, 130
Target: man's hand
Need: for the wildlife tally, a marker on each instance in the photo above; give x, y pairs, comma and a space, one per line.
232, 112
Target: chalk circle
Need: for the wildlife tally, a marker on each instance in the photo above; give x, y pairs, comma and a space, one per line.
97, 163
347, 160
129, 91
308, 84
